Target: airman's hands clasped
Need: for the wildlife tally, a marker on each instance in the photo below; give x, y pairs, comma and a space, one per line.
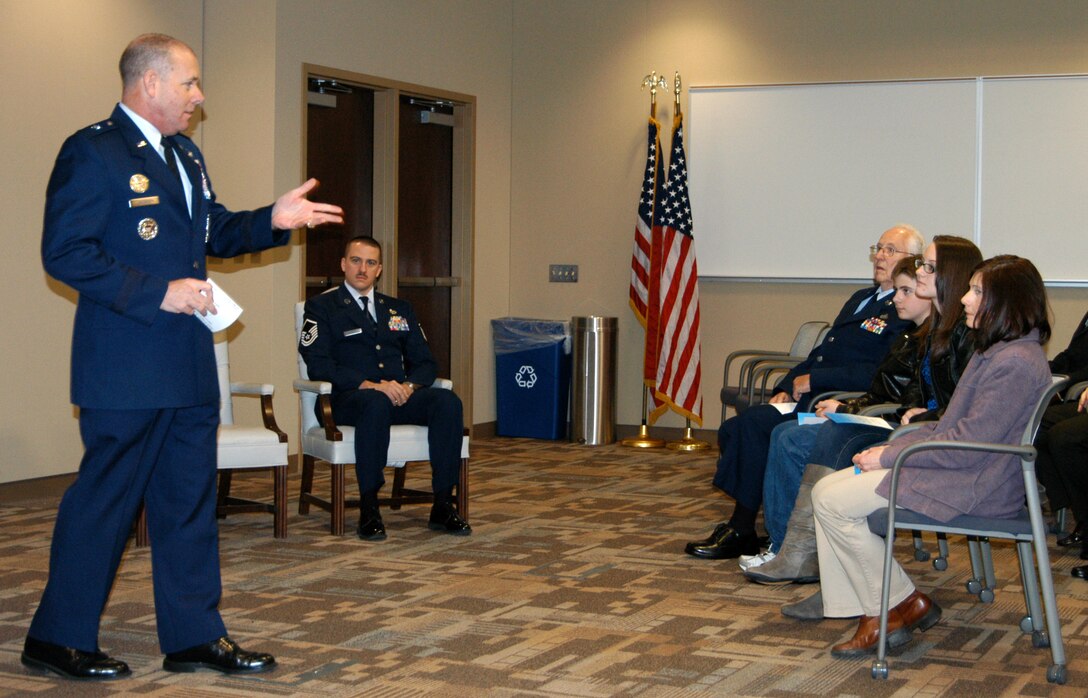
398, 393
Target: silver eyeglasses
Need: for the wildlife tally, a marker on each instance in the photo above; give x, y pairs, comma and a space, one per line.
889, 250
923, 264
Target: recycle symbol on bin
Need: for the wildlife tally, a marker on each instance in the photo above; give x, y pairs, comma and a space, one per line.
526, 377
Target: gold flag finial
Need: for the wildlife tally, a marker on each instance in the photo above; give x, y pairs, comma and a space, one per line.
654, 81
676, 90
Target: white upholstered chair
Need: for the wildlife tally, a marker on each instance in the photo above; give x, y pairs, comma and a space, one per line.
324, 441
241, 447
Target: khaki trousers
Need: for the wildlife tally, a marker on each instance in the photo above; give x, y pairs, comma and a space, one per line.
851, 556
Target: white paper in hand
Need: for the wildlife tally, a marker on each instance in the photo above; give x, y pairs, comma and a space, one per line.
227, 311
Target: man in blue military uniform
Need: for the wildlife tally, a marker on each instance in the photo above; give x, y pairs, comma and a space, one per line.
372, 350
130, 215
847, 358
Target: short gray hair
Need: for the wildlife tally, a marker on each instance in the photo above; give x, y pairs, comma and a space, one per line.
917, 243
147, 51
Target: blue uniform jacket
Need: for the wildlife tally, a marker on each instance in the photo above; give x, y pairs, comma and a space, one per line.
337, 349
117, 231
855, 345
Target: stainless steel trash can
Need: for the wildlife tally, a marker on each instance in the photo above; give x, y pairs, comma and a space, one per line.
593, 380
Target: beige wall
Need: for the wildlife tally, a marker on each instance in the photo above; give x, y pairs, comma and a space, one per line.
579, 135
560, 129
59, 64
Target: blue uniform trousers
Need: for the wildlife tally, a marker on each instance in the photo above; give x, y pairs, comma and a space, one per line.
744, 441
372, 413
166, 458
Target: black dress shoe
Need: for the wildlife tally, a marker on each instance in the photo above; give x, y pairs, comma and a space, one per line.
725, 544
445, 518
222, 655
370, 524
1078, 572
1075, 538
72, 663
709, 540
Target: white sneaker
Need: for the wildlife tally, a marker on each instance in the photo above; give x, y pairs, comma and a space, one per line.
748, 562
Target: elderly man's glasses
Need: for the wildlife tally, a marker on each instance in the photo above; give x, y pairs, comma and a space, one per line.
887, 250
922, 264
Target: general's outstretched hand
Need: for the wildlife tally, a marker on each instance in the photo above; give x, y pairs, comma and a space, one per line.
294, 210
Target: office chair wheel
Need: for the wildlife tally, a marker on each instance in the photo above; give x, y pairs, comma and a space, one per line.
1056, 674
986, 596
921, 555
1040, 640
940, 563
1026, 624
880, 671
974, 586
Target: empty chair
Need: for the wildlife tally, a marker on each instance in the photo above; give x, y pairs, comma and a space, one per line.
241, 447
739, 395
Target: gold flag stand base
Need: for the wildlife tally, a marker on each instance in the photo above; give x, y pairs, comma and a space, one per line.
643, 440
688, 443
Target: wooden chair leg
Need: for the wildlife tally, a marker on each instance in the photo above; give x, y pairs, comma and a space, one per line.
279, 501
223, 492
462, 490
141, 528
398, 485
337, 499
307, 483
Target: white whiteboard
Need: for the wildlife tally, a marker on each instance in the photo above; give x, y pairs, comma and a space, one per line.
796, 181
1035, 174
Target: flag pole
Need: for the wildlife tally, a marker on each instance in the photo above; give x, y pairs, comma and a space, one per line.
643, 440
689, 442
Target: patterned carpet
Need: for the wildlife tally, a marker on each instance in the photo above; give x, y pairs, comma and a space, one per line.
573, 584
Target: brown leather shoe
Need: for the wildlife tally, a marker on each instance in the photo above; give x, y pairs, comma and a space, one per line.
868, 633
915, 611
918, 612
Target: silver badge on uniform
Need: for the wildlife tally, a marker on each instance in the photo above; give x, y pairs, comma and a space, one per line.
147, 229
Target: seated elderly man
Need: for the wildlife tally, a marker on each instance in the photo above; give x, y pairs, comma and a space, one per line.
848, 357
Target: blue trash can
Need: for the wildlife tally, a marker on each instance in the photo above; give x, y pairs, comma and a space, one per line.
532, 377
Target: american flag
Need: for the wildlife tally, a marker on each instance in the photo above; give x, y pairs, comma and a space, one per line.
678, 379
640, 257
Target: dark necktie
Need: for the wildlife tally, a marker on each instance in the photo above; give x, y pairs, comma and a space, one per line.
865, 303
367, 320
168, 152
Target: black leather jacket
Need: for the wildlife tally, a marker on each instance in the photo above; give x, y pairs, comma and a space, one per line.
946, 373
893, 376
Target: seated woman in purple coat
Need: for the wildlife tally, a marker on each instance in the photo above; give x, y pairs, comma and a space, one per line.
1006, 307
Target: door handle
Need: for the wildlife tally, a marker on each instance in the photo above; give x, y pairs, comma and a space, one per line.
428, 281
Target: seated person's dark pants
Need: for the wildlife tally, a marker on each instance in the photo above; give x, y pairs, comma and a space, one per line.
836, 444
744, 441
1062, 463
371, 412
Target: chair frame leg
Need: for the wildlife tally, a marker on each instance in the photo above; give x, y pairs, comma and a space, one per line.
307, 486
337, 523
399, 475
279, 499
462, 490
